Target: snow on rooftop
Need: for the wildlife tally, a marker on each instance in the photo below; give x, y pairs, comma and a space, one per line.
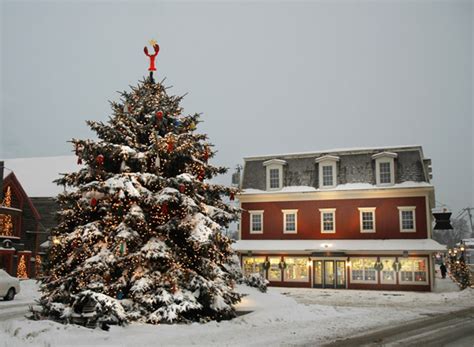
334, 150
338, 245
36, 175
340, 187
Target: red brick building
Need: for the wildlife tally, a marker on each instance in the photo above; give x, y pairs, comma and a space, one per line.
355, 218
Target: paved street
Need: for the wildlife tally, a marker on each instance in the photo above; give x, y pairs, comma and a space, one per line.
451, 329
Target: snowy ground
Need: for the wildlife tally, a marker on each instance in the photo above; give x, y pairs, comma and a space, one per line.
281, 317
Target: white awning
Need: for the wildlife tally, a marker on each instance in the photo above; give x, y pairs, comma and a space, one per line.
309, 246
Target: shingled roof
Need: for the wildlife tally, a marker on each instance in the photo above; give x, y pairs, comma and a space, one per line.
354, 166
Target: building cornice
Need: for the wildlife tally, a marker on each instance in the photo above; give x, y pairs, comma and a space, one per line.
338, 194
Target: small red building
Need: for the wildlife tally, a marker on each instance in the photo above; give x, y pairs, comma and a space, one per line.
20, 230
354, 218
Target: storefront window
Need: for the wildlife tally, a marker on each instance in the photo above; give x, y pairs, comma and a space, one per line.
363, 270
254, 265
413, 271
296, 269
274, 272
387, 274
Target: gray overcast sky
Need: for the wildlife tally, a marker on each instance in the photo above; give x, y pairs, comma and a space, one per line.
268, 77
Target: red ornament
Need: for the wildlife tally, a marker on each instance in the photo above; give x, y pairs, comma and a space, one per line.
201, 174
159, 116
79, 160
232, 196
100, 159
170, 145
164, 208
182, 188
93, 202
152, 56
206, 155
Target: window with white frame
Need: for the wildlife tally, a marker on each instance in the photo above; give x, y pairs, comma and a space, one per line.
407, 219
274, 178
290, 221
256, 222
327, 176
363, 270
385, 168
327, 171
367, 219
387, 272
274, 173
385, 172
328, 220
413, 271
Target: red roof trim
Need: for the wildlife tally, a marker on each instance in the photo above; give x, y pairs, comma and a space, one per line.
11, 179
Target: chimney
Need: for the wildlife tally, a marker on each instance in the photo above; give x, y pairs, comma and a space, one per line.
2, 165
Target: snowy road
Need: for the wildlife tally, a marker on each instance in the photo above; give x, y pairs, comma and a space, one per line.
450, 330
19, 306
281, 317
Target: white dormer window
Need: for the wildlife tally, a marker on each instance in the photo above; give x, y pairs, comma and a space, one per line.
385, 168
274, 173
327, 171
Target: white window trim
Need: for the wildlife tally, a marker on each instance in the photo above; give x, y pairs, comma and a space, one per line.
407, 208
327, 160
255, 213
328, 210
285, 212
367, 209
274, 164
423, 283
363, 281
394, 281
385, 157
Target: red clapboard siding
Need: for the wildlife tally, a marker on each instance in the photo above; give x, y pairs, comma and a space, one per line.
347, 219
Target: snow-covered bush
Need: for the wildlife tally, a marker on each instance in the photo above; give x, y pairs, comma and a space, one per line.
256, 280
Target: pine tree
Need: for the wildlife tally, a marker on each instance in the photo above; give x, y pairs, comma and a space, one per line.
139, 236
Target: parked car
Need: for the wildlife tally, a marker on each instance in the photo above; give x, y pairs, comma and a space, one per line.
9, 286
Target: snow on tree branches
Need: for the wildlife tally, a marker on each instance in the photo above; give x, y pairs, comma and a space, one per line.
139, 235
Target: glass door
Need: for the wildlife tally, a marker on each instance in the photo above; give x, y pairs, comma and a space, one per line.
340, 274
329, 275
318, 274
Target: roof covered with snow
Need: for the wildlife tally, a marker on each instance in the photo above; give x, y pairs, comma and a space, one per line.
355, 167
36, 175
340, 187
309, 246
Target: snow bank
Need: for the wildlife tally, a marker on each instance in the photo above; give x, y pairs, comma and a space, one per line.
280, 317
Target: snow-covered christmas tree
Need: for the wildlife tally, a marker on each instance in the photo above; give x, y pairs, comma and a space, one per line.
139, 235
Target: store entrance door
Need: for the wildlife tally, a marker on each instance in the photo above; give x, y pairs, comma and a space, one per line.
329, 273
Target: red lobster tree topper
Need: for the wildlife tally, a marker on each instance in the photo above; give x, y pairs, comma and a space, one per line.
152, 56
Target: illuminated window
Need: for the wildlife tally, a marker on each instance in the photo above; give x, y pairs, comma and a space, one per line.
256, 222
328, 220
363, 270
388, 274
296, 269
254, 265
413, 271
407, 219
274, 272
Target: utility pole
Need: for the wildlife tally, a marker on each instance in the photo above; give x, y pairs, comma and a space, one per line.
2, 165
